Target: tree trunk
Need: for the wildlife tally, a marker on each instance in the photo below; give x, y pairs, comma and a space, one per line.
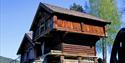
104, 50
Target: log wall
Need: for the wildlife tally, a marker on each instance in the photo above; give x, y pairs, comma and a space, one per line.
78, 49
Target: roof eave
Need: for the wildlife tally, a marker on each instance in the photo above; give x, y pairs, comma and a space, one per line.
25, 36
101, 20
18, 52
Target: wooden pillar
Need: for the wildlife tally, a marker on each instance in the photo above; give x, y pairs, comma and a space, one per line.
55, 19
42, 48
95, 60
62, 59
80, 60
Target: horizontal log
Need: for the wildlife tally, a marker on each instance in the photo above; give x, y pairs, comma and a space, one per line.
78, 49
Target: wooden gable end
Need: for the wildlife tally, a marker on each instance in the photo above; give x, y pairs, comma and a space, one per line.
42, 23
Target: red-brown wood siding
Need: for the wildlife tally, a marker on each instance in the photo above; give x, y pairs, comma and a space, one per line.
98, 30
79, 27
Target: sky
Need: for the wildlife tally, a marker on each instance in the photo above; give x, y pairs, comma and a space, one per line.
120, 6
16, 17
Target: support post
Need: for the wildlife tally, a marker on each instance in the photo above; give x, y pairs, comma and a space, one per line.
104, 50
80, 60
42, 47
95, 60
62, 59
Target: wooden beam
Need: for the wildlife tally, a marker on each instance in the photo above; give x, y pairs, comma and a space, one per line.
79, 32
71, 55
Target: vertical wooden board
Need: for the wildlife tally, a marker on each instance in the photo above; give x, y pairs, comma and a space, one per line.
60, 23
68, 25
93, 29
76, 26
65, 24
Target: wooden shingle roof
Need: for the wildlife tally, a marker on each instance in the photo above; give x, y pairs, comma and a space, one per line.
56, 9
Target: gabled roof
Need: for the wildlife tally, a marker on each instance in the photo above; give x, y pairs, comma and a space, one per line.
55, 9
27, 36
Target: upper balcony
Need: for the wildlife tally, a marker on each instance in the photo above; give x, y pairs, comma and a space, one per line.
79, 26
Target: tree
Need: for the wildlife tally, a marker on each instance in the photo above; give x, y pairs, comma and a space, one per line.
76, 7
107, 10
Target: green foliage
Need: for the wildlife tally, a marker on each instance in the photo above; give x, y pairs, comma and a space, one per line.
107, 10
76, 7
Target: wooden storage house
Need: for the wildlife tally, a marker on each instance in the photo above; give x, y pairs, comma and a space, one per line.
66, 36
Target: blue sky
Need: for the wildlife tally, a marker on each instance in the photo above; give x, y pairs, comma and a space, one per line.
120, 6
16, 17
